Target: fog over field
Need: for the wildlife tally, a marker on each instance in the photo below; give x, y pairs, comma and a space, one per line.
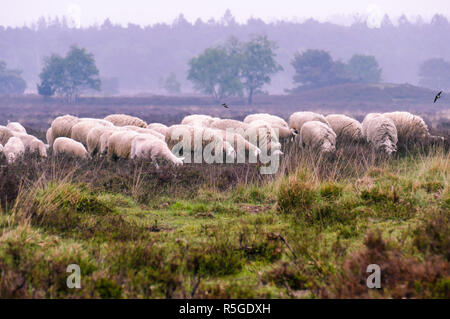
139, 44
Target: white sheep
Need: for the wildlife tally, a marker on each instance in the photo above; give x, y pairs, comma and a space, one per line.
104, 137
284, 131
410, 127
93, 139
196, 138
380, 132
119, 143
149, 147
366, 121
65, 145
1, 148
317, 135
239, 143
223, 124
297, 119
62, 126
32, 143
49, 137
146, 131
345, 127
13, 149
81, 130
262, 134
198, 120
5, 134
16, 127
124, 120
158, 127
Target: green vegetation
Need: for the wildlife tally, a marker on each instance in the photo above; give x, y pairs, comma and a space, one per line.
227, 70
70, 75
11, 81
310, 233
316, 68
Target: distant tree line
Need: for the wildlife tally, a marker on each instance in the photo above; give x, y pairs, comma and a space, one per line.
138, 56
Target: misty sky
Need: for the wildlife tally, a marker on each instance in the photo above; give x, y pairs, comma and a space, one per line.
145, 12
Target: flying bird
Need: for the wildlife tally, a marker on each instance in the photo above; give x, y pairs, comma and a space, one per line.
225, 105
437, 96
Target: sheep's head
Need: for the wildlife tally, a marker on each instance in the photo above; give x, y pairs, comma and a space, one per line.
388, 146
178, 161
328, 147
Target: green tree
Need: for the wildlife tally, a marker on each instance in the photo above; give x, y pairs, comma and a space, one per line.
257, 63
215, 72
364, 69
11, 81
69, 76
171, 84
316, 68
435, 73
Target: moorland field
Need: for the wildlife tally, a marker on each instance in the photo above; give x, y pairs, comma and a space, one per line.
225, 230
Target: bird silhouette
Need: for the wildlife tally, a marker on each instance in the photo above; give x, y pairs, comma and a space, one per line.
225, 105
437, 96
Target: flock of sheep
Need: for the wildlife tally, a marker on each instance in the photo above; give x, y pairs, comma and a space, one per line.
125, 136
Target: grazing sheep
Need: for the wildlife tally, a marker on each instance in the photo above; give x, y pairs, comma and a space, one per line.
62, 126
239, 142
276, 122
119, 143
158, 127
198, 120
104, 137
32, 143
5, 134
13, 149
16, 127
223, 124
149, 147
197, 138
69, 146
93, 139
366, 121
380, 132
272, 119
49, 137
124, 120
410, 128
345, 127
317, 135
146, 131
262, 134
297, 119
